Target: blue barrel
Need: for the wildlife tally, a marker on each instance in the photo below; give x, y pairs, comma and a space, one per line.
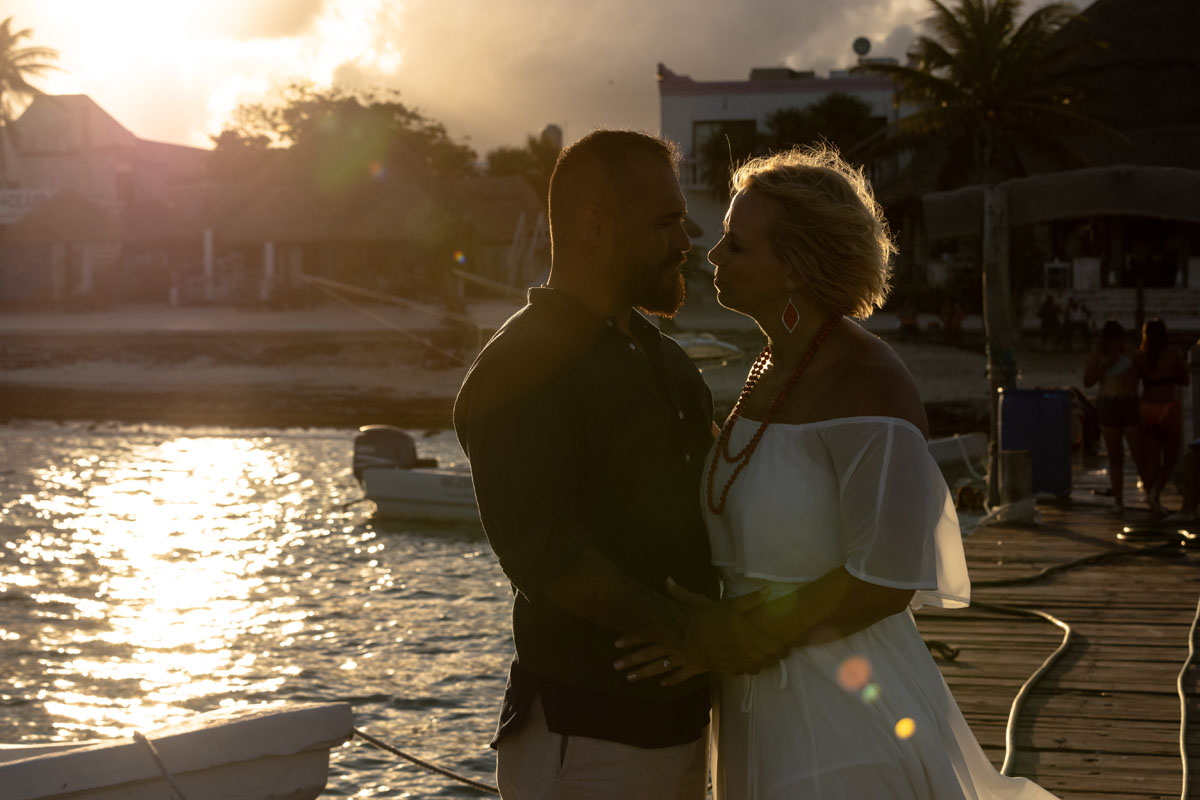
1039, 420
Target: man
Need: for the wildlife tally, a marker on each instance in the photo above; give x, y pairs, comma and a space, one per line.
586, 430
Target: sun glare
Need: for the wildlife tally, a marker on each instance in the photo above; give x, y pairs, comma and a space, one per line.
189, 59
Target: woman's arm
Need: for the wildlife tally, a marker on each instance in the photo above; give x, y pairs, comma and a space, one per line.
1094, 369
832, 607
1181, 363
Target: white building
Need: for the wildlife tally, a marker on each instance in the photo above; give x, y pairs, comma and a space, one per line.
691, 111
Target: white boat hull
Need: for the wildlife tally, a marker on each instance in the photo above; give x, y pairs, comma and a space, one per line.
262, 753
421, 494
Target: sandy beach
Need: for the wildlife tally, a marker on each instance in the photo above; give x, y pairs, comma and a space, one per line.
336, 367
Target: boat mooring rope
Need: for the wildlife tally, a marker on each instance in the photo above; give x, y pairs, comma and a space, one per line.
1173, 544
162, 767
1010, 730
483, 787
391, 325
1183, 700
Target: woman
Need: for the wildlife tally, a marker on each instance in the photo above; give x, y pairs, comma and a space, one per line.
821, 487
1162, 369
1111, 365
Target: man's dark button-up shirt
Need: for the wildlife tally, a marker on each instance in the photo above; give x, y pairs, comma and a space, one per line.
576, 437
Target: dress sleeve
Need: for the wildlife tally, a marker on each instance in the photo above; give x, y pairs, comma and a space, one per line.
899, 521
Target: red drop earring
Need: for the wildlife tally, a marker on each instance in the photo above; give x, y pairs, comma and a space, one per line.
791, 315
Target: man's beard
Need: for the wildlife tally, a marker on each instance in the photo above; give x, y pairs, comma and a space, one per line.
662, 294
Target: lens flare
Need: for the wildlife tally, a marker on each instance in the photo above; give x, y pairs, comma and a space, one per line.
870, 693
905, 728
377, 170
854, 673
460, 256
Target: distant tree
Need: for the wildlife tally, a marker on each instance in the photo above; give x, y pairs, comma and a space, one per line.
17, 65
534, 162
236, 156
370, 119
840, 119
730, 144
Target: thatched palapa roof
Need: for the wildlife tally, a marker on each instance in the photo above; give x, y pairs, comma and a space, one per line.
1123, 190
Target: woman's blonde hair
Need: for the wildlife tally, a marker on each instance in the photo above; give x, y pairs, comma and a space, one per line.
831, 230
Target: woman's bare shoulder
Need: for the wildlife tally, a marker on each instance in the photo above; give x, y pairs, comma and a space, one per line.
873, 381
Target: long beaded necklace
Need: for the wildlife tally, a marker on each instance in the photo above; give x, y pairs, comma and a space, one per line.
742, 457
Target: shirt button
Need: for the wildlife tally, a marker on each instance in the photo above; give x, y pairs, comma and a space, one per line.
681, 415
687, 458
609, 323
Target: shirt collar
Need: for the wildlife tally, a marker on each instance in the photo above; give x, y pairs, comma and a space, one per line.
565, 304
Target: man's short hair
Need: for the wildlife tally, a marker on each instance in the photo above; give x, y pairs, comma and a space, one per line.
602, 166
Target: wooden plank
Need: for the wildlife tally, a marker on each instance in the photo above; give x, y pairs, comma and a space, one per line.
1104, 722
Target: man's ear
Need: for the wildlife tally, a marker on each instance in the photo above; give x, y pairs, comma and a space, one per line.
595, 224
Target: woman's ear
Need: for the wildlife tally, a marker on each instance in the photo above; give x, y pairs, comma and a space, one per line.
791, 279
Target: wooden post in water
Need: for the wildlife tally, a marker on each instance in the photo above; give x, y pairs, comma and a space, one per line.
998, 322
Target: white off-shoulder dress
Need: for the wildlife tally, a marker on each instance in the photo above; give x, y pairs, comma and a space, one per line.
867, 716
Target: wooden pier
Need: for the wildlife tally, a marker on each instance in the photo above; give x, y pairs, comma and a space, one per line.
1104, 721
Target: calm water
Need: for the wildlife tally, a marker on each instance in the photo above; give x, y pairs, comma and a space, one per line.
148, 573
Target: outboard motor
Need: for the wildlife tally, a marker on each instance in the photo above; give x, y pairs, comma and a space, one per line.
383, 446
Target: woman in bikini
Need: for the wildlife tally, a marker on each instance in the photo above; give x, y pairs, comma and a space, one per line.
1111, 365
1162, 370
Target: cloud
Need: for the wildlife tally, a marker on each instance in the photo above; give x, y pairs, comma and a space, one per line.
495, 71
491, 71
267, 19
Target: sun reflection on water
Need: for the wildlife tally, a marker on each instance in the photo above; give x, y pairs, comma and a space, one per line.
150, 573
179, 548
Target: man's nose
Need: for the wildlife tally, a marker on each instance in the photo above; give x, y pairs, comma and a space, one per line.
685, 241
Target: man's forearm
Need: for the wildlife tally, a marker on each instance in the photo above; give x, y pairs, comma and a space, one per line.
598, 590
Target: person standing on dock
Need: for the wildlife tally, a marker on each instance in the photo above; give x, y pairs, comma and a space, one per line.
586, 429
1110, 364
1163, 371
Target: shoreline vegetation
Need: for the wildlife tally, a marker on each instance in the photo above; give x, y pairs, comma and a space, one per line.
329, 368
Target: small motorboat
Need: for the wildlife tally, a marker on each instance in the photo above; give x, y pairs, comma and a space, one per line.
256, 753
403, 486
705, 346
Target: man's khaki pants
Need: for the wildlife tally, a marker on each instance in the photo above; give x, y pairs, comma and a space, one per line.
534, 764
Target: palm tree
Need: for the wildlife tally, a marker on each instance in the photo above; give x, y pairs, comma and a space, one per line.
17, 64
990, 96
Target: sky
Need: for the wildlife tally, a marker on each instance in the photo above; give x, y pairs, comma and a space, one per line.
492, 71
